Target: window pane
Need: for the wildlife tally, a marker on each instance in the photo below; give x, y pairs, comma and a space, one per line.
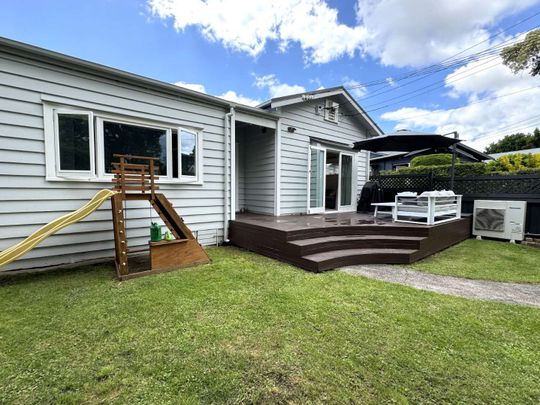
346, 180
316, 178
74, 141
188, 142
129, 139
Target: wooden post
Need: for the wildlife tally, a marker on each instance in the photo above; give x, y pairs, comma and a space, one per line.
152, 177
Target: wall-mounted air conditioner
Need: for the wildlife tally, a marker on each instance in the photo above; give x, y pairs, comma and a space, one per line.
499, 219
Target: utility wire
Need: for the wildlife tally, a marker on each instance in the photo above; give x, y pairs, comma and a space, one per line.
472, 103
449, 59
429, 87
529, 121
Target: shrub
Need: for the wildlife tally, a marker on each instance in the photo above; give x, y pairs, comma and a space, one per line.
436, 159
514, 162
462, 169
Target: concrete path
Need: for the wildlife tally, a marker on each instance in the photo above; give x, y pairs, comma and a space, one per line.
511, 293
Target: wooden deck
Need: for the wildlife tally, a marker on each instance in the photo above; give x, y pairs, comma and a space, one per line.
323, 242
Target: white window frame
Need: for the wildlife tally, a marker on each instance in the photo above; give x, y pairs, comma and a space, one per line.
198, 161
351, 206
91, 139
54, 105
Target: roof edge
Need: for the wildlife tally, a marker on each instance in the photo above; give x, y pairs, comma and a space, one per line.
104, 71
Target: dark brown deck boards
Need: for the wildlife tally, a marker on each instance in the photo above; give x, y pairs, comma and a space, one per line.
323, 242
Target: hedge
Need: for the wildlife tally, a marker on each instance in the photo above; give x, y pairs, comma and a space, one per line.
436, 159
517, 163
463, 169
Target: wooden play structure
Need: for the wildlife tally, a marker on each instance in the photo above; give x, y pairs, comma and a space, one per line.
135, 181
132, 181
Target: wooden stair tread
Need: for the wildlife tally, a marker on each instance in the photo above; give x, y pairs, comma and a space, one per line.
335, 254
348, 238
167, 242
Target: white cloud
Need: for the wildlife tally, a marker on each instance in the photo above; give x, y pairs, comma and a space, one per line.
398, 32
229, 95
275, 87
238, 98
247, 26
417, 32
480, 123
355, 88
391, 82
192, 86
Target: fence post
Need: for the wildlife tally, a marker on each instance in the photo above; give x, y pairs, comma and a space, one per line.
431, 180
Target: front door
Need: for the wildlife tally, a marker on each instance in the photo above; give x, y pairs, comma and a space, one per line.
316, 180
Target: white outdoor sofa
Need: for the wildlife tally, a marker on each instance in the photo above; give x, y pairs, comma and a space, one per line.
434, 207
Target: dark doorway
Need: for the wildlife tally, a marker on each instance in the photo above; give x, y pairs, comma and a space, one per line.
332, 180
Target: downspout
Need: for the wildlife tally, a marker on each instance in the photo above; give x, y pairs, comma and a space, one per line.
233, 164
228, 125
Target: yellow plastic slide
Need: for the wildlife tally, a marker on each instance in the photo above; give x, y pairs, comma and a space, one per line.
16, 251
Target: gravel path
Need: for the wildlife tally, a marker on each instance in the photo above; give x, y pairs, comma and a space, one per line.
511, 293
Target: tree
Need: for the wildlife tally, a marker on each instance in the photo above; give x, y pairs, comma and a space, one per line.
524, 55
513, 142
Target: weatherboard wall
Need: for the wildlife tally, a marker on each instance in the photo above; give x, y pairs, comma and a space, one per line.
311, 127
29, 201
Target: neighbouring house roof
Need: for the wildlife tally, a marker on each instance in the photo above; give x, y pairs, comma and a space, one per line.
498, 155
277, 102
380, 156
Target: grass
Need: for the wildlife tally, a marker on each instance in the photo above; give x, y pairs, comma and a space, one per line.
486, 260
248, 329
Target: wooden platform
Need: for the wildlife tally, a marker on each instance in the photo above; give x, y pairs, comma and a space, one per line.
323, 242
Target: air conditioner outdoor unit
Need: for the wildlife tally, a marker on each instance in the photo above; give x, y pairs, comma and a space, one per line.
499, 219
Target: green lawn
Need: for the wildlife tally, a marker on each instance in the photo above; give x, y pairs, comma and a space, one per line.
249, 329
486, 260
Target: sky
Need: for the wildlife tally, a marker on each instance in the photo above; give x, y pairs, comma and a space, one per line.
424, 65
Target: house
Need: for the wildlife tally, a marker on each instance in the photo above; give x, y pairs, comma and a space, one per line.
394, 160
523, 151
62, 119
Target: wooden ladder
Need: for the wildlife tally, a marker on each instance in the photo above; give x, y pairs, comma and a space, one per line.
135, 181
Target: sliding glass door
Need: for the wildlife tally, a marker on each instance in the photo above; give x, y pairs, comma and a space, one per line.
346, 181
316, 180
331, 180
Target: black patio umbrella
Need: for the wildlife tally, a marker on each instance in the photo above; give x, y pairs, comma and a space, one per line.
409, 141
405, 141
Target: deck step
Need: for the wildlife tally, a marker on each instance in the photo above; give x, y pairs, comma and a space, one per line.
348, 257
304, 247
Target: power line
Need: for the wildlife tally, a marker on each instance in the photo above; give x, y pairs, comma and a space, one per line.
474, 102
450, 58
511, 131
376, 94
507, 126
456, 79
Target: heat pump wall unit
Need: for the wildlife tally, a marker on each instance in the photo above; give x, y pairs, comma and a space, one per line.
499, 219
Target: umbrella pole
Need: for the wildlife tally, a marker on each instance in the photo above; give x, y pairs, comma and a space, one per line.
453, 168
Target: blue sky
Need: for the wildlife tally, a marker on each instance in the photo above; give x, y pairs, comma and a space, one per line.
252, 50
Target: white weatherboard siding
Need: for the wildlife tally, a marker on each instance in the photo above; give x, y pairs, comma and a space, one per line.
256, 170
28, 201
295, 147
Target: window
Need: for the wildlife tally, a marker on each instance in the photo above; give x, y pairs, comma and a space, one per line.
185, 147
129, 139
74, 142
80, 146
188, 151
